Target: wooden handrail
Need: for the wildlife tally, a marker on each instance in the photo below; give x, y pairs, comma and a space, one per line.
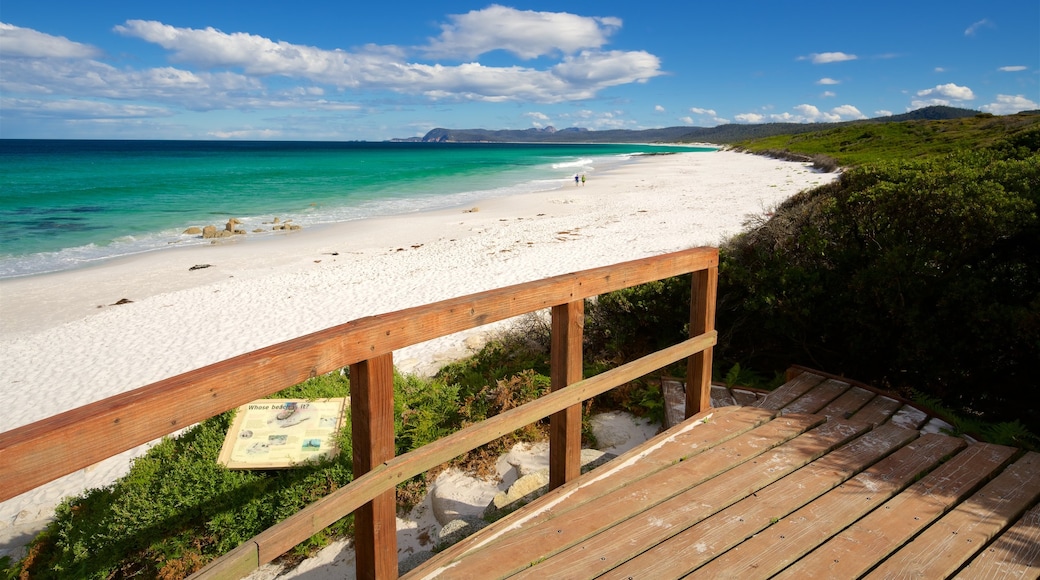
281, 537
43, 451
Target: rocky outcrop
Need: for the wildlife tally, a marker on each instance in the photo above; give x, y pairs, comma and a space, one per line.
231, 229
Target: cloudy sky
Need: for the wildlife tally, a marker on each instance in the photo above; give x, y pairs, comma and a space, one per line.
317, 70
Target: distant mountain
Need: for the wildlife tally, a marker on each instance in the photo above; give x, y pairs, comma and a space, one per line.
722, 134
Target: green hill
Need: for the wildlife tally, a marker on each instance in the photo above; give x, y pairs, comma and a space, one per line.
723, 134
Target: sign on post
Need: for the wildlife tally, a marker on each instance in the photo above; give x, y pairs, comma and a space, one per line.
280, 433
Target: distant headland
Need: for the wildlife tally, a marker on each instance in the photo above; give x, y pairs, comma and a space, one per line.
729, 133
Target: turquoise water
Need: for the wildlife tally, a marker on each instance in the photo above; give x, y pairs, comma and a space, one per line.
66, 204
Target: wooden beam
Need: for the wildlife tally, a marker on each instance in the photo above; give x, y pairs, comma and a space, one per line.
372, 433
702, 320
34, 454
568, 321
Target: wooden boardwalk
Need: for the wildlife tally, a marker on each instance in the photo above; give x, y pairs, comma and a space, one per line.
819, 479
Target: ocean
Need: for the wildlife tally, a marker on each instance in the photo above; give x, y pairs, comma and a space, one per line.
66, 204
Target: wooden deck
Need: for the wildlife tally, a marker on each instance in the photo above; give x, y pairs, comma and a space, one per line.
820, 479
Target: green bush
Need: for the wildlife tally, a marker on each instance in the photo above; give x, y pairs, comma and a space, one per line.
922, 273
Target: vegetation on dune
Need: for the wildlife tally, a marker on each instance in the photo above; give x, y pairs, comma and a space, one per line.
918, 270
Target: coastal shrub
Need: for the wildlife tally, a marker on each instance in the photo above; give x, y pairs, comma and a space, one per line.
920, 273
629, 323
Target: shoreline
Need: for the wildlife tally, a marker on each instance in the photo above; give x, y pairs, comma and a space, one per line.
63, 342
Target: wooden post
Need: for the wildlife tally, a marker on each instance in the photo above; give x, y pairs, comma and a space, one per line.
372, 432
702, 319
568, 321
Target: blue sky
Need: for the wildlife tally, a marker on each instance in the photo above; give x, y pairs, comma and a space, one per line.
341, 70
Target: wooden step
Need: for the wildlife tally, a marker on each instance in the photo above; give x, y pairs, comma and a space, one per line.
817, 398
684, 441
731, 526
639, 531
879, 410
944, 547
795, 535
1015, 554
552, 525
848, 404
870, 540
786, 393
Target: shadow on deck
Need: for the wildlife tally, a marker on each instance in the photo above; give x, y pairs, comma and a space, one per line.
819, 479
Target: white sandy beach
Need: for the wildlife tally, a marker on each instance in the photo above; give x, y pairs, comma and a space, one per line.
63, 342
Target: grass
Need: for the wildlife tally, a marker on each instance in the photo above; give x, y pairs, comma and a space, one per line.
860, 144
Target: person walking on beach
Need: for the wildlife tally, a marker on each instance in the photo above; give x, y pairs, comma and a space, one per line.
575, 180
583, 180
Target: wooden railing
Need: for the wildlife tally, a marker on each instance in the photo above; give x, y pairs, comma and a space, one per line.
35, 454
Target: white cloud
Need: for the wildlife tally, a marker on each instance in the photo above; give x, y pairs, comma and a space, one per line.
658, 108
24, 42
750, 118
1012, 68
604, 69
708, 117
1010, 104
538, 119
828, 57
828, 95
255, 55
828, 81
806, 113
950, 91
576, 77
525, 33
942, 95
974, 28
940, 69
89, 78
686, 120
246, 134
883, 113
80, 109
848, 112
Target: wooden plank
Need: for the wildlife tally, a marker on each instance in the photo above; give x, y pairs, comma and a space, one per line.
1015, 554
697, 545
34, 454
565, 357
638, 532
721, 397
500, 555
879, 410
817, 397
372, 434
242, 561
910, 417
307, 522
746, 397
702, 319
870, 540
684, 442
850, 402
949, 543
767, 552
789, 391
